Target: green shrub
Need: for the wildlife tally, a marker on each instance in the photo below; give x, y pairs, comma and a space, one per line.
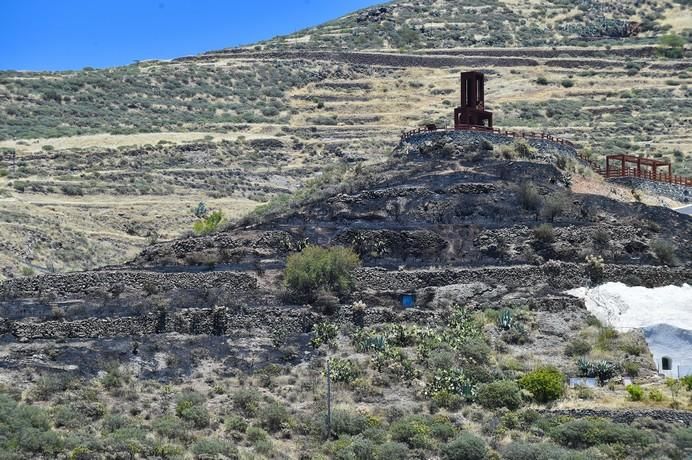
528, 196
655, 395
213, 447
465, 447
631, 368
683, 438
208, 224
542, 81
587, 432
545, 384
191, 407
503, 393
324, 333
172, 428
544, 233
393, 451
687, 381
671, 46
256, 434
414, 431
317, 268
26, 428
247, 401
577, 347
567, 82
348, 423
635, 391
554, 206
274, 417
665, 251
539, 451
343, 370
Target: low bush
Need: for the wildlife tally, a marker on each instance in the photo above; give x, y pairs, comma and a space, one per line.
664, 251
636, 393
539, 451
465, 447
655, 395
503, 393
544, 233
587, 432
344, 370
529, 198
247, 401
274, 417
26, 428
545, 384
208, 224
348, 423
577, 347
213, 447
414, 431
393, 451
683, 438
317, 268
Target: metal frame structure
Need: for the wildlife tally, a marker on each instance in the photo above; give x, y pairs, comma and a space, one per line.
472, 111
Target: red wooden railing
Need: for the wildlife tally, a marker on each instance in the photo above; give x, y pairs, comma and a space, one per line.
646, 174
518, 134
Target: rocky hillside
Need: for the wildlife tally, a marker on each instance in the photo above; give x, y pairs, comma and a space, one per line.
440, 24
200, 348
95, 164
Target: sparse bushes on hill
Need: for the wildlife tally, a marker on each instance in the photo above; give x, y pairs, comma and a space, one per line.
317, 268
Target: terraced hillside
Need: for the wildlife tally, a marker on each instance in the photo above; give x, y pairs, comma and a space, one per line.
203, 346
96, 163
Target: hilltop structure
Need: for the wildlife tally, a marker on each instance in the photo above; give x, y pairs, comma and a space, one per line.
472, 111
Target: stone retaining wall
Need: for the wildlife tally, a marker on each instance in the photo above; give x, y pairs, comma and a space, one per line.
559, 275
677, 192
208, 321
626, 415
543, 146
87, 283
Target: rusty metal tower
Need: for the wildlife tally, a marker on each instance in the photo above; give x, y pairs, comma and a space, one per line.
472, 111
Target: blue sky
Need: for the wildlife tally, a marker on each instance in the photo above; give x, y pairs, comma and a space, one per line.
72, 34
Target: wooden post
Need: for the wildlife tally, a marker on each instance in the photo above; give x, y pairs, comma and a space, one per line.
329, 400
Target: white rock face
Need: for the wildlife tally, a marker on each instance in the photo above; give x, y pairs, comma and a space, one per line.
665, 314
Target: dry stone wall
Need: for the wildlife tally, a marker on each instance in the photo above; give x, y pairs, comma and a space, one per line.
557, 274
83, 284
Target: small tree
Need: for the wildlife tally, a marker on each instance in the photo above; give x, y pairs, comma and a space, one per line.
318, 269
545, 384
529, 197
554, 206
671, 46
209, 224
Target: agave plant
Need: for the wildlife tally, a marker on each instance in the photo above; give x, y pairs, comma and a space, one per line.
585, 367
604, 370
504, 321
